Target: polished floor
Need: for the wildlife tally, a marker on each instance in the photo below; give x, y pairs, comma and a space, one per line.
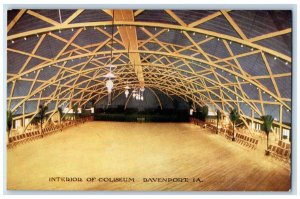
109, 150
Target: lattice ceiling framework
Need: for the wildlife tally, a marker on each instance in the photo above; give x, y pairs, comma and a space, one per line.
191, 70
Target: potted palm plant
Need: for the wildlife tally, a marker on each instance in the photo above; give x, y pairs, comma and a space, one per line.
8, 122
204, 113
75, 111
60, 112
42, 115
218, 119
234, 116
267, 127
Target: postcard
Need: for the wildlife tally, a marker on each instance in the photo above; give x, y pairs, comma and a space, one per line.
149, 99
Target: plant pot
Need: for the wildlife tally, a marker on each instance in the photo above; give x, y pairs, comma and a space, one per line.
233, 139
267, 153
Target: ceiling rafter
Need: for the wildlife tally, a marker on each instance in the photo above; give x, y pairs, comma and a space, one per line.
136, 13
205, 19
152, 24
178, 77
271, 35
130, 41
73, 16
15, 20
172, 55
234, 25
175, 17
42, 17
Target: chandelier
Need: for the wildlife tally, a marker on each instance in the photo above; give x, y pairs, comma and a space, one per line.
109, 83
138, 94
127, 91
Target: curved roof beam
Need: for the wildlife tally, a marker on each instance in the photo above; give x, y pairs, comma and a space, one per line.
170, 55
165, 54
150, 24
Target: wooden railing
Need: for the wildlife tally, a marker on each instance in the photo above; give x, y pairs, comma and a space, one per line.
48, 130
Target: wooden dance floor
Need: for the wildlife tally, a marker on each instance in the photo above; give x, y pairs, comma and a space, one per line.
134, 154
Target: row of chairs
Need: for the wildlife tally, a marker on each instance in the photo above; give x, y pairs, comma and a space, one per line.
284, 145
246, 141
197, 121
279, 153
208, 125
202, 124
29, 136
222, 130
52, 128
228, 134
211, 126
23, 137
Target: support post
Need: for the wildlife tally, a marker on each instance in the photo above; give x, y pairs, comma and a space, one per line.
280, 122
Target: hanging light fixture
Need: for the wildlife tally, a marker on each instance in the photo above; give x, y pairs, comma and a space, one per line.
142, 93
109, 85
127, 87
134, 93
109, 75
127, 91
138, 94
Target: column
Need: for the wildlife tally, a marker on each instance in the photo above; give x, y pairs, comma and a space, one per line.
280, 122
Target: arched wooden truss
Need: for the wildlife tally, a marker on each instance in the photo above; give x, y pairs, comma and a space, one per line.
202, 79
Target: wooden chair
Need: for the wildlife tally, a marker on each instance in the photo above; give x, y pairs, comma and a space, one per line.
286, 155
279, 152
242, 139
250, 143
272, 150
30, 137
10, 140
14, 138
288, 146
255, 144
245, 140
280, 143
19, 137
